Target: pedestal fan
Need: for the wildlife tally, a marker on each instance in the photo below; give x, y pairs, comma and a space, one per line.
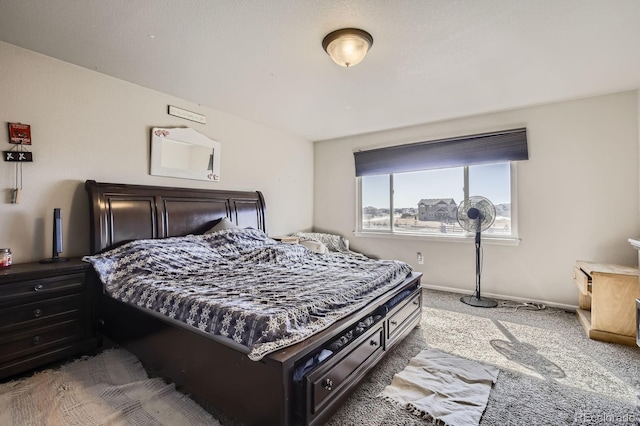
477, 215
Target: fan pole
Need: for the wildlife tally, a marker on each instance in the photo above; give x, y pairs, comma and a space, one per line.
478, 270
476, 299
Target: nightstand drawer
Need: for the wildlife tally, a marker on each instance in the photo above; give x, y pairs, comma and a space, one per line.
582, 280
40, 312
19, 344
41, 288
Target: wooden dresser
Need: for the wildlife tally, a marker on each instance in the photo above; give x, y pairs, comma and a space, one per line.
45, 314
607, 301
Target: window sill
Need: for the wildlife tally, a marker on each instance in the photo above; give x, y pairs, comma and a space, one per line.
486, 239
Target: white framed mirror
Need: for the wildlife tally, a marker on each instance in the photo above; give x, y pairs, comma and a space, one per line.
184, 153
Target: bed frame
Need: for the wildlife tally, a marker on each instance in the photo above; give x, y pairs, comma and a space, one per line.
252, 392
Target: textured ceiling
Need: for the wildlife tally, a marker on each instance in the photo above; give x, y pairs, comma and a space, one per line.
263, 60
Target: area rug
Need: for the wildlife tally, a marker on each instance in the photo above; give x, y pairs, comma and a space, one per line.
111, 388
444, 388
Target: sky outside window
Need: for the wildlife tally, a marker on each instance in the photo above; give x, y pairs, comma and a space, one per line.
491, 181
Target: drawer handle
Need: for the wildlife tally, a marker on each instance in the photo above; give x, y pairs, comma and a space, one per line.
37, 313
394, 322
36, 340
415, 302
373, 342
38, 287
327, 384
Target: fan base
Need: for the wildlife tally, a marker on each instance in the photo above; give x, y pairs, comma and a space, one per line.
480, 303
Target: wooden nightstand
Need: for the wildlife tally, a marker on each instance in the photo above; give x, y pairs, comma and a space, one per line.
606, 301
45, 314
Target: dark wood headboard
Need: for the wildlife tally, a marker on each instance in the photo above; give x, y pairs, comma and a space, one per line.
121, 212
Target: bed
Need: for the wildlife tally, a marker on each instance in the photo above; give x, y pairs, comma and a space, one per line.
301, 379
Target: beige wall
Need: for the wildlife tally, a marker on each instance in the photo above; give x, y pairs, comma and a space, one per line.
578, 198
86, 125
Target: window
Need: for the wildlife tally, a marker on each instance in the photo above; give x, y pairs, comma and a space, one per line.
415, 189
376, 203
425, 202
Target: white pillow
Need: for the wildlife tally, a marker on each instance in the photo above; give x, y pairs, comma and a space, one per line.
224, 223
315, 246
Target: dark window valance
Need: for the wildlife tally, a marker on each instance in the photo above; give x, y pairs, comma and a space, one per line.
508, 145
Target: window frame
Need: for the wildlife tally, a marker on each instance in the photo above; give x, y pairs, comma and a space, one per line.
512, 240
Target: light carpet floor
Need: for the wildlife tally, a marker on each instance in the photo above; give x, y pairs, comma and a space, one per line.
111, 388
550, 372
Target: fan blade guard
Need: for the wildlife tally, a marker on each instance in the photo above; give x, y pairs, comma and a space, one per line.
477, 222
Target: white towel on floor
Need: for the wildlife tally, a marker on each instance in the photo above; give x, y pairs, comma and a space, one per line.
436, 385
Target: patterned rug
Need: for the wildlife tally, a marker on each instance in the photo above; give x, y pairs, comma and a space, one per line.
111, 388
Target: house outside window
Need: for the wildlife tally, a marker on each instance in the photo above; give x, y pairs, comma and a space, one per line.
438, 209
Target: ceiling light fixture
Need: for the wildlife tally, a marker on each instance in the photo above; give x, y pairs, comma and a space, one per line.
348, 46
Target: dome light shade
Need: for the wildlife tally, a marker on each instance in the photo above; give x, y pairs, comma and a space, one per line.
347, 47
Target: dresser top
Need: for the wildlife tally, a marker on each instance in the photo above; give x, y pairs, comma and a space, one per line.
35, 270
606, 268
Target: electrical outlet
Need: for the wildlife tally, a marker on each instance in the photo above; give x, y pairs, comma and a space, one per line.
420, 259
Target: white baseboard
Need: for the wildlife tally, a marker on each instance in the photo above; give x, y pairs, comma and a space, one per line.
502, 297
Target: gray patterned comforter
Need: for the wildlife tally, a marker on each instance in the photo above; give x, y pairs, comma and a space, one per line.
243, 285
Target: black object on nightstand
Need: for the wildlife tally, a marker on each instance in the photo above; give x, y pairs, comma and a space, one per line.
46, 314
